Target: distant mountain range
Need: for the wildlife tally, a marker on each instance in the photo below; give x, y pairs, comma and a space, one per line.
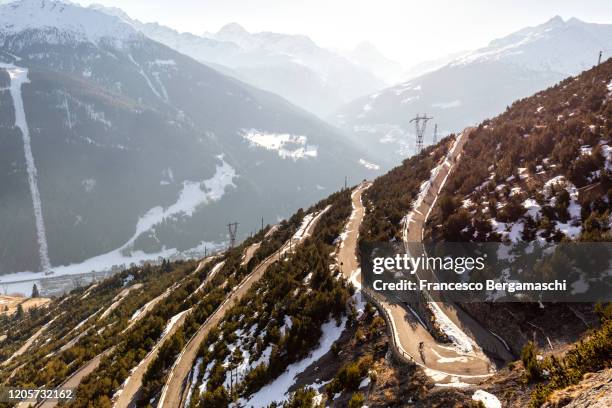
473, 86
292, 66
136, 150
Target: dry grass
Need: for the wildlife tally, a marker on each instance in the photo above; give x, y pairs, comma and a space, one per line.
11, 303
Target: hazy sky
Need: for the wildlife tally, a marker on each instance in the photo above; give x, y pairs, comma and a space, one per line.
405, 30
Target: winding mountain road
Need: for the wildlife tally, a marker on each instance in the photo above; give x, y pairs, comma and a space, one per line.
444, 364
132, 386
129, 388
74, 380
347, 254
464, 361
174, 392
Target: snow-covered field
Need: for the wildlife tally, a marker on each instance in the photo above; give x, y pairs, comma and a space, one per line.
287, 146
193, 195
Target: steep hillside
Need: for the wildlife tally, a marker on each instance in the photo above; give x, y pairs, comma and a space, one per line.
97, 337
475, 86
131, 147
283, 319
539, 171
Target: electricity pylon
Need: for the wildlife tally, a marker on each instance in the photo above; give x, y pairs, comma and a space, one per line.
420, 122
232, 227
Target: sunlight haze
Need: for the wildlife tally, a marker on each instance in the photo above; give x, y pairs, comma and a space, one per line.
406, 31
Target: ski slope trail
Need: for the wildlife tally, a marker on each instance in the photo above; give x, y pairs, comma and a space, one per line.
19, 76
174, 391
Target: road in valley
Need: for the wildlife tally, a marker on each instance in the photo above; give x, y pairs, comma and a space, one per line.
174, 391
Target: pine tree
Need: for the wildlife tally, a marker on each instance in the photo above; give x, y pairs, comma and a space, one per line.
20, 313
35, 292
530, 362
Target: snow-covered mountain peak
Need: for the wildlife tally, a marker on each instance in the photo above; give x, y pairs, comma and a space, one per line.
232, 29
113, 11
556, 45
64, 20
265, 40
554, 21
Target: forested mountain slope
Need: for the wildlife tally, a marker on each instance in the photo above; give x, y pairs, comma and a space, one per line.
304, 334
538, 172
126, 149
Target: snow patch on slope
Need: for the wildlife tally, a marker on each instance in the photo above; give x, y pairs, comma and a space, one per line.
488, 400
190, 198
63, 20
287, 145
193, 195
279, 388
172, 322
369, 165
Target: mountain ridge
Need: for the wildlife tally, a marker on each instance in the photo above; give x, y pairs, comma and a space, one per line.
474, 86
292, 66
